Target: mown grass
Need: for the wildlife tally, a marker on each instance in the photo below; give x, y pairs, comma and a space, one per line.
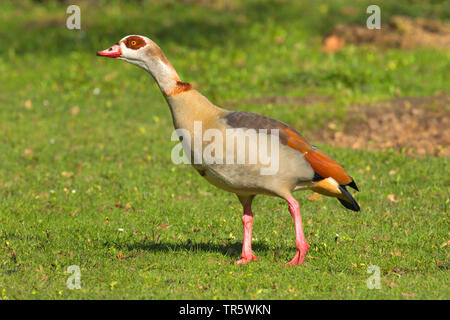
85, 152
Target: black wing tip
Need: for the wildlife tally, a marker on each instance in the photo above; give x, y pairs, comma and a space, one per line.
350, 203
353, 185
317, 177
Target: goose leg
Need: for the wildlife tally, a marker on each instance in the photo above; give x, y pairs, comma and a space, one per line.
247, 222
300, 240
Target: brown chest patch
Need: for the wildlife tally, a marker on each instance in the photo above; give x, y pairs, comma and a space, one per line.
180, 87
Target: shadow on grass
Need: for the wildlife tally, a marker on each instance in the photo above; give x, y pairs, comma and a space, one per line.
229, 249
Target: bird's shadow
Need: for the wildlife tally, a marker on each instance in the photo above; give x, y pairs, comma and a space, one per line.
228, 249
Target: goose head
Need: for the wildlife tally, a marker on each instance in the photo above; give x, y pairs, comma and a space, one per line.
143, 52
138, 50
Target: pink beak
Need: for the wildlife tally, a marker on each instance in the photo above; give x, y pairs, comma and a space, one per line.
112, 52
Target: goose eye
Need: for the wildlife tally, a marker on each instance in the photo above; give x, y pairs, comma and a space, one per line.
134, 42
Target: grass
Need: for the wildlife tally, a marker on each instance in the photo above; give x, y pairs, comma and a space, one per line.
86, 177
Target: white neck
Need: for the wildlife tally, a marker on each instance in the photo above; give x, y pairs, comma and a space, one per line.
164, 74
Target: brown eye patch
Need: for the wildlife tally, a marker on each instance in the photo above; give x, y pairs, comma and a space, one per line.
134, 42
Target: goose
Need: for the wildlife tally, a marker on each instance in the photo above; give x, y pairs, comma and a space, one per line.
300, 165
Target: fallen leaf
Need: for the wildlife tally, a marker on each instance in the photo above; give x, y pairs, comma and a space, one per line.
315, 197
332, 126
391, 198
27, 153
396, 252
392, 284
79, 168
442, 265
332, 44
67, 174
28, 104
445, 244
118, 205
162, 226
74, 111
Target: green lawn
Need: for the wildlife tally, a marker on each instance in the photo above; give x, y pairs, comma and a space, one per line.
86, 177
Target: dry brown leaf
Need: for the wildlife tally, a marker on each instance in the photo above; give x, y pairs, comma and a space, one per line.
27, 153
74, 111
332, 44
396, 252
332, 126
28, 104
392, 284
446, 243
43, 194
391, 198
118, 205
442, 265
315, 197
67, 174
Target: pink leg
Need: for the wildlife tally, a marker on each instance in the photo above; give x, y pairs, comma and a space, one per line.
300, 241
247, 221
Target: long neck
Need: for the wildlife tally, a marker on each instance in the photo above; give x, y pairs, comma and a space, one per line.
186, 104
164, 74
